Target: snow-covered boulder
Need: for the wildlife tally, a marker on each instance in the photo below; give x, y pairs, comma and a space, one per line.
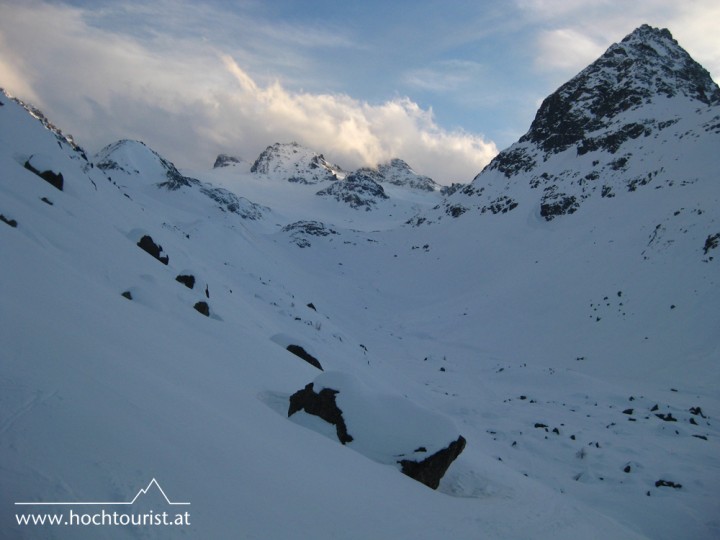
46, 169
389, 429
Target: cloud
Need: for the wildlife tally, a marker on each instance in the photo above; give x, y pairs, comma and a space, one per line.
190, 99
569, 34
360, 133
566, 50
445, 75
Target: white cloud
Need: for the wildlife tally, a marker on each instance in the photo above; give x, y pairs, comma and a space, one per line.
566, 50
190, 101
572, 33
359, 133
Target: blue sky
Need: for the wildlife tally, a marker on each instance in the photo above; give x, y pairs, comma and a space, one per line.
444, 86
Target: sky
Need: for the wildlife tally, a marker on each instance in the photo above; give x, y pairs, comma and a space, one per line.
444, 87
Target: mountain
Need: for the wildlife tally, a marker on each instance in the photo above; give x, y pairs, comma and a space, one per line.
638, 116
398, 173
233, 162
294, 163
131, 163
357, 190
500, 366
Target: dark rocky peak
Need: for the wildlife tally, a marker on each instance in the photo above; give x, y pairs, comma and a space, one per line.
640, 115
295, 163
224, 160
647, 64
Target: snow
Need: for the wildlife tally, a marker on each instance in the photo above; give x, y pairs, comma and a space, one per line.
530, 338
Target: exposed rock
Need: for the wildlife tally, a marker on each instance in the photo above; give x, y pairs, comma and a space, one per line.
53, 178
389, 429
555, 204
431, 470
295, 163
186, 279
147, 244
501, 205
648, 62
224, 160
320, 404
399, 173
711, 242
202, 307
667, 483
127, 294
9, 221
358, 190
298, 351
300, 230
697, 411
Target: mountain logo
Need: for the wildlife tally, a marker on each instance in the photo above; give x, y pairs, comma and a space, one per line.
141, 492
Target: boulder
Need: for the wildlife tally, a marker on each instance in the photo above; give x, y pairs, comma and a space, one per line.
387, 428
321, 404
298, 351
430, 470
35, 164
147, 244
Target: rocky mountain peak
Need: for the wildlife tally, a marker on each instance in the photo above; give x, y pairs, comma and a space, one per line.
294, 163
225, 160
399, 173
643, 114
646, 64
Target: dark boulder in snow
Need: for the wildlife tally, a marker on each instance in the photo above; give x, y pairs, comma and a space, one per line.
35, 165
202, 307
430, 471
711, 242
147, 244
389, 429
321, 404
667, 483
9, 221
298, 351
186, 279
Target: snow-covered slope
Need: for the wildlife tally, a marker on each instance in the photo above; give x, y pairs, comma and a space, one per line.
577, 356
